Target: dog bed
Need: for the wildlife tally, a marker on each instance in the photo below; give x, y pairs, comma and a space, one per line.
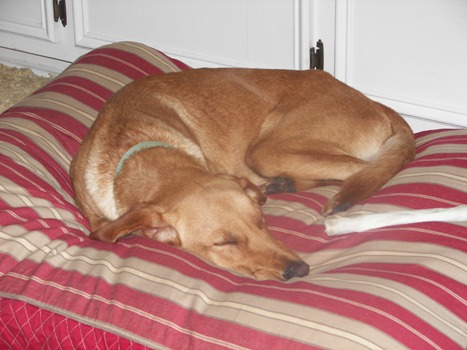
391, 288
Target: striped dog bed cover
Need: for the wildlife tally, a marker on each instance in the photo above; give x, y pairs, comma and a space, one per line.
400, 287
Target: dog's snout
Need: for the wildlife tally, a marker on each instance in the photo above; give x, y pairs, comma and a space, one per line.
296, 269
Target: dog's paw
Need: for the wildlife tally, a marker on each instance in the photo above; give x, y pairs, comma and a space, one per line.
334, 206
280, 184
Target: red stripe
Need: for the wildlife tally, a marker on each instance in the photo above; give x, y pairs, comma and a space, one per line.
53, 228
439, 159
307, 199
442, 140
123, 62
438, 287
419, 195
437, 233
298, 236
66, 130
33, 181
81, 89
382, 314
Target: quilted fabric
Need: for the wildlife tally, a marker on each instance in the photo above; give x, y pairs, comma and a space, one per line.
24, 326
393, 288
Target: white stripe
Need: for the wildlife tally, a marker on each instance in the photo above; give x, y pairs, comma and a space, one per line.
49, 102
165, 61
402, 295
92, 72
55, 126
38, 136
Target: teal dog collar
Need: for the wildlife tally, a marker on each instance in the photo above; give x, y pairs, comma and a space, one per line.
137, 148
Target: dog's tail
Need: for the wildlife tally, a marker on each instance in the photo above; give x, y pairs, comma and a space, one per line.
396, 152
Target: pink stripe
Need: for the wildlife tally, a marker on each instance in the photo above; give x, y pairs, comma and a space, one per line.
382, 314
443, 290
56, 123
419, 195
81, 89
33, 181
438, 159
53, 228
307, 199
121, 61
454, 139
438, 233
126, 62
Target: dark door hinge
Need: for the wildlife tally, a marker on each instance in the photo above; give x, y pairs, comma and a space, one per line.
60, 11
317, 56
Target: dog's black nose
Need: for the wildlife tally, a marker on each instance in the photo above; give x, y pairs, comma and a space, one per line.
296, 269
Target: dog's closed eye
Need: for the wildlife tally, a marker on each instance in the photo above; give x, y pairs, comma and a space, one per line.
228, 240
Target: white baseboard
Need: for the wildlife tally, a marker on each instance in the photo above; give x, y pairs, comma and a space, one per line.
421, 124
40, 65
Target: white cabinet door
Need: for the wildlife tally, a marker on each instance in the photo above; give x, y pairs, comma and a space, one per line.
32, 18
251, 33
408, 54
29, 35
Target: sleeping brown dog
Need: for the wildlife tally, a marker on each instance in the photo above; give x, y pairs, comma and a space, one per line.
186, 158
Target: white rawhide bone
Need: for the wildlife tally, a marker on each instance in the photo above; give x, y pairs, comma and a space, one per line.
340, 225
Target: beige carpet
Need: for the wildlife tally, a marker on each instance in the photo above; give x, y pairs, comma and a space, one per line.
17, 83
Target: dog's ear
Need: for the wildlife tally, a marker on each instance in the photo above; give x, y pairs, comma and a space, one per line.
141, 220
252, 190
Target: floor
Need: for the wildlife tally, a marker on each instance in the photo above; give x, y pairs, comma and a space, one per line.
17, 83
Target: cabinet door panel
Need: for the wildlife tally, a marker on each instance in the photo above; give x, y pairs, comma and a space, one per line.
408, 54
33, 18
203, 32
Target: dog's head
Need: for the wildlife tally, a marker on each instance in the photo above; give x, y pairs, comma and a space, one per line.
220, 220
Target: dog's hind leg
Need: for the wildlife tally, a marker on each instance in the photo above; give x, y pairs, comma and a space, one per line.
280, 184
300, 165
